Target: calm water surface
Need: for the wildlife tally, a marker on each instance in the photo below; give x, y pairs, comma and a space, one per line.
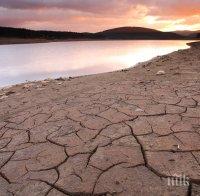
22, 62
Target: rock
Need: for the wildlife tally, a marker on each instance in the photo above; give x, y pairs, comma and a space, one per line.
48, 79
176, 73
3, 97
6, 87
138, 110
160, 72
28, 85
40, 89
61, 79
9, 93
174, 68
45, 81
2, 94
124, 70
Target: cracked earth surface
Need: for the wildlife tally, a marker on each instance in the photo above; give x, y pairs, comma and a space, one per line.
120, 133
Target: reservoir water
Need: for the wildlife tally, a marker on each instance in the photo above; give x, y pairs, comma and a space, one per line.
22, 62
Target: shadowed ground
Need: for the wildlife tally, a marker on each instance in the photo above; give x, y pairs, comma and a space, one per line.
120, 133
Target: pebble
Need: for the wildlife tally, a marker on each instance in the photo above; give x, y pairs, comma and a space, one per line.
40, 89
171, 160
28, 85
138, 110
3, 97
176, 73
124, 70
177, 146
160, 72
45, 81
6, 87
61, 79
2, 94
48, 79
9, 93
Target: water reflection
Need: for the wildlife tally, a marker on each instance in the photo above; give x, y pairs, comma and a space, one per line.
19, 63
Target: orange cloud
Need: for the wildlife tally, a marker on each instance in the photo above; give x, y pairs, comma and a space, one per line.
97, 15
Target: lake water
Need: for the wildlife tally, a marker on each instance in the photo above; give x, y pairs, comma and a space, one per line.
22, 62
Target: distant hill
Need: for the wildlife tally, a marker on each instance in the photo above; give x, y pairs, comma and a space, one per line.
198, 35
185, 33
116, 33
9, 32
195, 35
130, 30
138, 33
192, 34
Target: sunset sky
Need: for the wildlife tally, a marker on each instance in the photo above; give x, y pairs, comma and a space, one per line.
97, 15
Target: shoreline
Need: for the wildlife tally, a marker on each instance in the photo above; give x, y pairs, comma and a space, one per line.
191, 44
122, 132
13, 41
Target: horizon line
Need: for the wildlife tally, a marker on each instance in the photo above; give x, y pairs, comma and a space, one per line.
26, 28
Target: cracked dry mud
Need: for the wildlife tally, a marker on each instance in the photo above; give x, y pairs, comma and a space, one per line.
120, 133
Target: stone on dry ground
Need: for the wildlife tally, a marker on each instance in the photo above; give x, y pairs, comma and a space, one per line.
120, 133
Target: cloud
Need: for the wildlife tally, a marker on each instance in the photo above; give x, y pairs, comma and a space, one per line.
157, 7
176, 9
93, 6
95, 15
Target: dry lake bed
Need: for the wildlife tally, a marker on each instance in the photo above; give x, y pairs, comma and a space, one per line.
129, 132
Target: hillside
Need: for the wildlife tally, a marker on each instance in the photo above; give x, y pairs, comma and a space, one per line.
191, 34
198, 35
8, 34
138, 33
195, 35
129, 30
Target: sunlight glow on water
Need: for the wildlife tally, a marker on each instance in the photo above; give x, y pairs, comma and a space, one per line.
22, 62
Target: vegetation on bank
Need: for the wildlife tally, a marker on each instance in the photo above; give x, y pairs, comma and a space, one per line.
110, 34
